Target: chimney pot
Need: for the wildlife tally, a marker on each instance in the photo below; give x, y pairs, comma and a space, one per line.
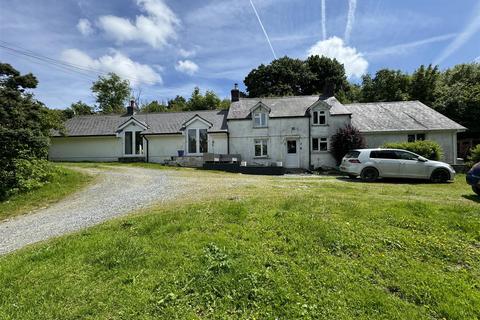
235, 93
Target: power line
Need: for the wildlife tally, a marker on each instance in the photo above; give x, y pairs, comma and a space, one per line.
73, 67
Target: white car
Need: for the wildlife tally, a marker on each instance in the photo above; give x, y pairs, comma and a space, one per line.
371, 164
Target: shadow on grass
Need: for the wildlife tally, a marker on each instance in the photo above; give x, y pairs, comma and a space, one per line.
393, 181
472, 197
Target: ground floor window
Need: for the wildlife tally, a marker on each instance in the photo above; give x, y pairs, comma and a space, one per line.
261, 149
416, 137
197, 141
319, 144
133, 143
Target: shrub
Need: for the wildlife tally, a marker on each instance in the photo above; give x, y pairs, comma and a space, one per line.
27, 175
344, 140
474, 156
428, 149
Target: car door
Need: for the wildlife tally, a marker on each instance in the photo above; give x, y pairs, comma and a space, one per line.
410, 166
386, 162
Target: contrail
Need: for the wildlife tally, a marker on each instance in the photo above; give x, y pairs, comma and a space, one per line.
352, 6
459, 41
264, 31
324, 25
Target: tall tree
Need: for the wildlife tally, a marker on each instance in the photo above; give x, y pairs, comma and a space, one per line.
326, 72
424, 83
153, 106
177, 104
387, 85
282, 77
111, 93
25, 124
80, 108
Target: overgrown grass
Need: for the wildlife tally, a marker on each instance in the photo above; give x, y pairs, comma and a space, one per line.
63, 184
277, 248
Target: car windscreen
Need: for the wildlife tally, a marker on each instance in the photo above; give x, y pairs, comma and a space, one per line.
352, 154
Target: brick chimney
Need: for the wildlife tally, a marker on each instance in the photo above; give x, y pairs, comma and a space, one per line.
131, 108
235, 93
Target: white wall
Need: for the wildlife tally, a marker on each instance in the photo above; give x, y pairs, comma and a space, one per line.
85, 149
218, 143
446, 139
243, 134
162, 148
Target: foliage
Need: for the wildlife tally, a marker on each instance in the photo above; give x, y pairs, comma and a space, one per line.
25, 126
387, 85
344, 140
287, 76
177, 104
424, 82
31, 174
474, 156
264, 249
153, 106
80, 108
111, 93
428, 149
62, 182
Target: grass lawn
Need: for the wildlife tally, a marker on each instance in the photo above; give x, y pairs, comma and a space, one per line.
64, 184
285, 248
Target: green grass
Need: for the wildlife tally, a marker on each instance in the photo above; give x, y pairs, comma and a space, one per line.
65, 183
271, 248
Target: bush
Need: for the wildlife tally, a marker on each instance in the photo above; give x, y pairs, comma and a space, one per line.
474, 156
428, 149
27, 175
344, 140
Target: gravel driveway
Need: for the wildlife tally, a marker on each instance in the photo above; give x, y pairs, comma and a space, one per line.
117, 191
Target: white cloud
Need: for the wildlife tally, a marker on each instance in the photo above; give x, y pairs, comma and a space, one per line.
186, 53
118, 63
186, 66
352, 6
156, 28
85, 27
355, 64
470, 30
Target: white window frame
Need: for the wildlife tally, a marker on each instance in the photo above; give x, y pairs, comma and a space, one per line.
134, 137
263, 143
262, 118
317, 115
197, 141
320, 141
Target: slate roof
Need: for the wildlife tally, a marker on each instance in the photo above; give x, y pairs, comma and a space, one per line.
295, 106
158, 123
398, 116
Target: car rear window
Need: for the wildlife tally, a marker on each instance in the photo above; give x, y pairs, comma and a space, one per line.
352, 154
383, 154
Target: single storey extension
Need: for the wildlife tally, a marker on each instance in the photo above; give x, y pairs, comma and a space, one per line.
294, 132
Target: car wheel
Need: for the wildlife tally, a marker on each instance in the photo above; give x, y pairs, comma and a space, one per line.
440, 176
352, 176
476, 189
369, 174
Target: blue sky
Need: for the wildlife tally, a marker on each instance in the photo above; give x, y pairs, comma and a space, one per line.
167, 47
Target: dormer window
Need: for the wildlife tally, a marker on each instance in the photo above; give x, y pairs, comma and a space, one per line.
260, 119
319, 118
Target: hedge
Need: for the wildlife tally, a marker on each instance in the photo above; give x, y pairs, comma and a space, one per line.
428, 149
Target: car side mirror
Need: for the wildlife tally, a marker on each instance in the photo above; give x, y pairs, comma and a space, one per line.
422, 159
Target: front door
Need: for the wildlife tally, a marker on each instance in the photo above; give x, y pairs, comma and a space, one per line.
292, 159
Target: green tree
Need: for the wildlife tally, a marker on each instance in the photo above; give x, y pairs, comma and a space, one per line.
458, 95
177, 104
423, 84
282, 77
325, 72
25, 126
344, 140
111, 93
387, 85
80, 108
153, 106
